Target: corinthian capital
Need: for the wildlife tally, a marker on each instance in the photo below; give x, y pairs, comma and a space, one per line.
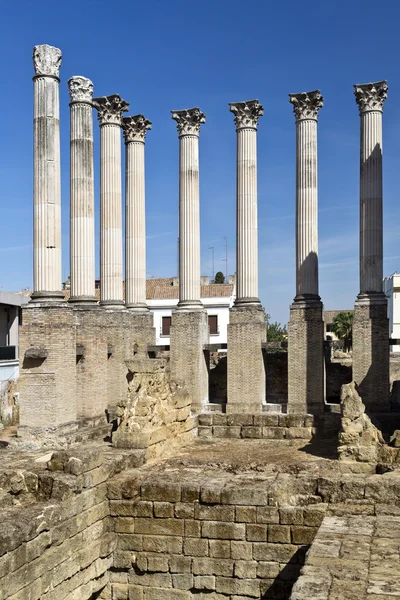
110, 109
135, 128
306, 105
47, 60
80, 89
246, 113
371, 96
188, 121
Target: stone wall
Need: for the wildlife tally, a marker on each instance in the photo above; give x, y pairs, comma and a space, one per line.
56, 539
198, 540
264, 426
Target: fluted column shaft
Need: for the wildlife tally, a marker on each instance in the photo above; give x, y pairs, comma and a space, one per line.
189, 122
135, 219
47, 276
82, 228
110, 215
189, 220
110, 109
135, 282
246, 120
371, 225
306, 208
246, 217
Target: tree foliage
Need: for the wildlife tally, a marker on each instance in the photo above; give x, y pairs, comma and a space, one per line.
219, 277
342, 327
276, 332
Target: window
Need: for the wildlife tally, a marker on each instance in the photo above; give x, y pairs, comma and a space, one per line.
166, 325
213, 324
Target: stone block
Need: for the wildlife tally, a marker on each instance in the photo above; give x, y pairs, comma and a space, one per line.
303, 535
245, 569
204, 582
241, 550
160, 543
256, 533
273, 433
192, 528
220, 549
180, 564
244, 496
223, 531
214, 512
163, 510
246, 514
213, 566
195, 547
251, 432
182, 581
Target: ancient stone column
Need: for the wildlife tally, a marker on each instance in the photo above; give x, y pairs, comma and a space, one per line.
246, 120
371, 325
47, 274
246, 329
135, 129
305, 343
110, 110
188, 125
82, 237
189, 330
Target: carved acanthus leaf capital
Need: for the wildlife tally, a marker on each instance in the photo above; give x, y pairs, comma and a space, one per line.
246, 113
110, 109
135, 128
371, 96
306, 104
47, 60
80, 89
188, 121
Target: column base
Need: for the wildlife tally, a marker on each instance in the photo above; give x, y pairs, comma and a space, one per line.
188, 361
83, 300
190, 305
305, 356
140, 307
112, 304
246, 369
57, 296
247, 302
371, 351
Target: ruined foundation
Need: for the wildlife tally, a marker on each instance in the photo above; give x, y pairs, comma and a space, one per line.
246, 370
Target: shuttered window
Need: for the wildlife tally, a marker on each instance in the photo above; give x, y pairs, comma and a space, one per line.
166, 325
213, 324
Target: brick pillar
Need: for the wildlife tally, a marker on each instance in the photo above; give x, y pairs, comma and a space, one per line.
189, 364
306, 329
371, 325
47, 367
246, 329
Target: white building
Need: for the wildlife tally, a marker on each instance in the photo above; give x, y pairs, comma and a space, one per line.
10, 315
163, 296
391, 287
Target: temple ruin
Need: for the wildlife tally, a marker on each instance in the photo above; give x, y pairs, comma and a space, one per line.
124, 481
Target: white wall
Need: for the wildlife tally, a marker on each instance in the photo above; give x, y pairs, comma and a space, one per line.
214, 306
391, 287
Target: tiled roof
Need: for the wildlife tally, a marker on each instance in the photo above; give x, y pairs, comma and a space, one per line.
163, 288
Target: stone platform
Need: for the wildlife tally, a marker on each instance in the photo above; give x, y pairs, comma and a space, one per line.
221, 519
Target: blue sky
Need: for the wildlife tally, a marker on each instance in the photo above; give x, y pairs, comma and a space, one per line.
170, 54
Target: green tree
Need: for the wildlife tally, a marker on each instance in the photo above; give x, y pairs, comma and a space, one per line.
342, 327
219, 277
276, 332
